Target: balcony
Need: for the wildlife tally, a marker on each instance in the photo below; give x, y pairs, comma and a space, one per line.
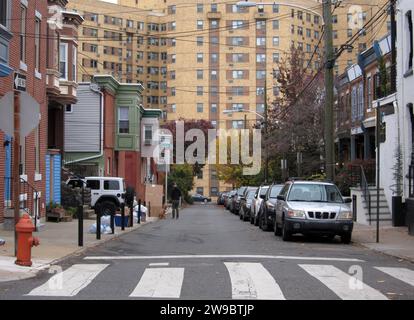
383, 83
52, 82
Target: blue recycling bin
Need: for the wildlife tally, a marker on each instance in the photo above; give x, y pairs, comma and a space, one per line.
118, 220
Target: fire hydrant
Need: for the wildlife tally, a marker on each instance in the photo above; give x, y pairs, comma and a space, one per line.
25, 241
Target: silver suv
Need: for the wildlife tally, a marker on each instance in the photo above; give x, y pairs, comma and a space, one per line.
311, 207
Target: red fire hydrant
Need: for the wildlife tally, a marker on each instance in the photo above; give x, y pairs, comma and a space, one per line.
25, 241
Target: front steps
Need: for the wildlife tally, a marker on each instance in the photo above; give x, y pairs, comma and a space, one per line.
385, 218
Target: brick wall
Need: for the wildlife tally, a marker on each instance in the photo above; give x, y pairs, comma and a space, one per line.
35, 87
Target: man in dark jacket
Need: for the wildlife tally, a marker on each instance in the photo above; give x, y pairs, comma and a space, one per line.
175, 197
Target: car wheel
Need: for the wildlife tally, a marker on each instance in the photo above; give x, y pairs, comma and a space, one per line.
107, 208
277, 230
346, 238
286, 235
263, 223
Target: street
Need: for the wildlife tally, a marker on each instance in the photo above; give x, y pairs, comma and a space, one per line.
210, 254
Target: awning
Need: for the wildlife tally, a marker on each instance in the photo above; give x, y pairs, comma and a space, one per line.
5, 70
369, 122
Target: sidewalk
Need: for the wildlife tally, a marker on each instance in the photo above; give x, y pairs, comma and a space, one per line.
393, 241
57, 241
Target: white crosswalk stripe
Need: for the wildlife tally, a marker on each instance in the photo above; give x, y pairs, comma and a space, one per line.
69, 282
252, 281
403, 274
342, 284
160, 283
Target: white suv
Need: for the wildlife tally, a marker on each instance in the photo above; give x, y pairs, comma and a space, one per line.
107, 193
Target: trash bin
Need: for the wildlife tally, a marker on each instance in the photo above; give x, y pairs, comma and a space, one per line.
118, 220
410, 216
398, 216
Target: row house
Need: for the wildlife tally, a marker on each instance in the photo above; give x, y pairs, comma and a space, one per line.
359, 90
61, 85
109, 132
23, 30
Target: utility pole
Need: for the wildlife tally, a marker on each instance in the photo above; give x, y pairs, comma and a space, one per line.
16, 165
266, 164
393, 47
329, 88
377, 142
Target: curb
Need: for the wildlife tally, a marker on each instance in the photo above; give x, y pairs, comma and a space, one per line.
401, 257
33, 272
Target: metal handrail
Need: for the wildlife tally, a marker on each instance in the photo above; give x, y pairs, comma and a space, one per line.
365, 191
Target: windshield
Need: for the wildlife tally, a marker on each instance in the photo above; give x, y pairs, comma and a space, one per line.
315, 193
275, 191
241, 191
250, 195
263, 191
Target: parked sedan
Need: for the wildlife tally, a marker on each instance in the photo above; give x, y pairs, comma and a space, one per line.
257, 203
311, 207
200, 198
246, 204
229, 200
237, 199
267, 213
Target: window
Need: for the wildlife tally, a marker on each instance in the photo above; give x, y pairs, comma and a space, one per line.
275, 8
214, 40
214, 24
369, 91
199, 107
316, 19
237, 24
308, 17
123, 119
214, 124
173, 108
237, 57
308, 33
409, 20
200, 190
172, 25
130, 24
237, 41
214, 58
214, 191
213, 75
276, 91
111, 185
171, 9
4, 4
74, 62
213, 7
237, 106
199, 8
260, 24
260, 107
334, 34
260, 74
173, 58
349, 33
213, 108
260, 57
237, 74
199, 57
334, 19
300, 15
292, 29
68, 108
23, 18
213, 91
93, 184
63, 61
276, 57
238, 91
275, 24
276, 41
199, 74
199, 91
172, 74
260, 41
199, 41
37, 45
259, 91
237, 124
173, 91
199, 24
147, 133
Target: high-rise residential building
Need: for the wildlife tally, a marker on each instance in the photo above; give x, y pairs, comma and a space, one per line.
197, 59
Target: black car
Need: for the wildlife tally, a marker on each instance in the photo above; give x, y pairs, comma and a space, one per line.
220, 198
228, 201
200, 198
237, 199
267, 211
246, 204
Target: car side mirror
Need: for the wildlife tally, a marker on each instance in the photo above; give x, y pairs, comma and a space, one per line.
280, 197
347, 200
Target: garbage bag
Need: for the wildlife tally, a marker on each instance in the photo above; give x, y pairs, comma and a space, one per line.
92, 228
106, 220
2, 242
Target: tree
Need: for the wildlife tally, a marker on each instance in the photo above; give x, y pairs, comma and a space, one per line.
182, 175
202, 125
296, 115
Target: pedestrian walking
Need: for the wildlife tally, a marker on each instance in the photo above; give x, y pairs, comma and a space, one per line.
175, 197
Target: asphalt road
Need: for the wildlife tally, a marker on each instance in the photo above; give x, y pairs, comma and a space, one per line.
210, 254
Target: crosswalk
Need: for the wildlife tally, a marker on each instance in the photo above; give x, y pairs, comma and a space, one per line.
248, 280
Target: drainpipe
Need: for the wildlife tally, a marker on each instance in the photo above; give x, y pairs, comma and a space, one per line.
101, 132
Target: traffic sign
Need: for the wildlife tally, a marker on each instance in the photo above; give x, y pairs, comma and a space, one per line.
19, 82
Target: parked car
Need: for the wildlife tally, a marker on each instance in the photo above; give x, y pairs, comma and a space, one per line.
267, 212
246, 203
237, 199
200, 198
229, 199
257, 203
220, 198
312, 207
107, 193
